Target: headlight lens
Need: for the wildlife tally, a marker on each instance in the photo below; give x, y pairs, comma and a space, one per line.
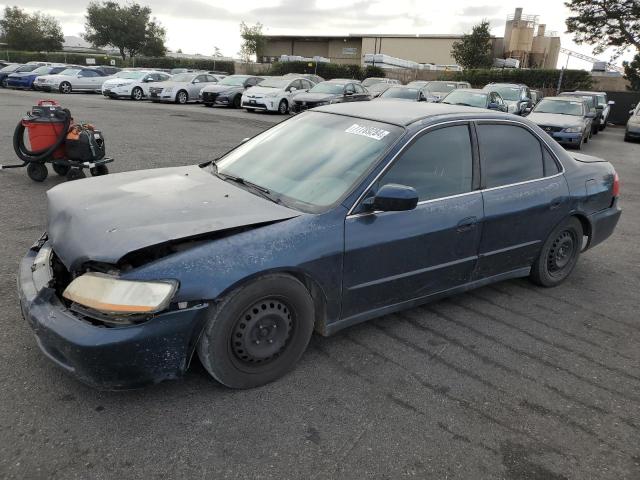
573, 130
271, 94
168, 90
112, 295
635, 119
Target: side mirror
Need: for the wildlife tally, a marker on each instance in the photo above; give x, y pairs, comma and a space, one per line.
292, 89
349, 92
611, 102
590, 115
393, 198
148, 80
632, 111
196, 81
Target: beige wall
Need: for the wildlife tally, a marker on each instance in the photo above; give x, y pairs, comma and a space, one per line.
337, 53
609, 84
332, 48
421, 50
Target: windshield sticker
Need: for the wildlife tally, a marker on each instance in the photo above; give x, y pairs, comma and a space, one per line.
370, 132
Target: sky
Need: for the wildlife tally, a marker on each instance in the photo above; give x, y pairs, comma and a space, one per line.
198, 26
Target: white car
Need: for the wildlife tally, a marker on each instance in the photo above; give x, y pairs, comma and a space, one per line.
133, 84
275, 94
72, 80
181, 88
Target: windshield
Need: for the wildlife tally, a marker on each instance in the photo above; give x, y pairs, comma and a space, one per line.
401, 92
327, 87
275, 82
42, 70
471, 99
183, 77
371, 81
511, 94
10, 68
132, 75
586, 98
378, 87
441, 86
233, 80
27, 68
417, 83
312, 160
602, 100
70, 71
565, 107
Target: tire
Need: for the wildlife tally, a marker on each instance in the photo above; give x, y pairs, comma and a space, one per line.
258, 332
208, 105
37, 171
559, 254
237, 101
137, 94
283, 107
65, 87
61, 170
182, 97
99, 170
4, 83
75, 174
250, 110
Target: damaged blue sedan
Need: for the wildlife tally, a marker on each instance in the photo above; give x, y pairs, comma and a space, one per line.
333, 217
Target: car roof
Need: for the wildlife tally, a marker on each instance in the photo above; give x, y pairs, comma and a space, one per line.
519, 85
389, 112
473, 90
564, 99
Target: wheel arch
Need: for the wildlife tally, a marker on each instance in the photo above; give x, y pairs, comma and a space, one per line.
586, 227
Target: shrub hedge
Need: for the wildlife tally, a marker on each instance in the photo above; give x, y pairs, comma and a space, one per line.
534, 78
326, 70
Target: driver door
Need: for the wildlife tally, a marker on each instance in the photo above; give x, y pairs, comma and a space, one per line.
395, 257
196, 85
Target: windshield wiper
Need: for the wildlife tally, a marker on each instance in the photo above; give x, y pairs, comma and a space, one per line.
262, 191
464, 104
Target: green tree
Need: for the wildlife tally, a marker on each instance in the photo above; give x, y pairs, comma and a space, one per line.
37, 32
127, 28
605, 24
475, 49
154, 42
253, 40
632, 72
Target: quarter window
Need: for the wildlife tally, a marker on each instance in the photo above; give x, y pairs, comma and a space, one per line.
508, 154
438, 164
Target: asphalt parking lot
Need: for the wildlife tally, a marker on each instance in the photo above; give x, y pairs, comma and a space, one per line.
507, 382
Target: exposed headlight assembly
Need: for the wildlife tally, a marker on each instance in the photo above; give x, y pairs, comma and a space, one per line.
115, 296
573, 129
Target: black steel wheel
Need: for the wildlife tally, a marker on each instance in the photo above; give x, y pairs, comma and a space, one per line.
61, 170
99, 170
559, 254
75, 174
37, 171
258, 332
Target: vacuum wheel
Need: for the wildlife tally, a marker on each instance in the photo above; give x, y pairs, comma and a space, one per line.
37, 171
75, 174
61, 170
99, 170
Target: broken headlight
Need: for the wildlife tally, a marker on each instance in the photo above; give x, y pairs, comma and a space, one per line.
115, 296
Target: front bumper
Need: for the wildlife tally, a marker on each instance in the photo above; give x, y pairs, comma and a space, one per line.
116, 92
603, 223
19, 83
565, 138
632, 130
264, 103
103, 357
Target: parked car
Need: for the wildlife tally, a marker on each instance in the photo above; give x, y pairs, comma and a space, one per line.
566, 119
181, 88
228, 91
403, 92
308, 76
592, 102
602, 104
275, 94
15, 68
473, 97
72, 80
418, 83
133, 84
515, 95
437, 90
106, 69
4, 63
378, 89
632, 130
339, 215
331, 91
25, 79
536, 96
367, 82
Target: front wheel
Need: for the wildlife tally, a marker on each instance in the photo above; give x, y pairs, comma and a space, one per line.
258, 332
37, 171
237, 100
182, 97
559, 254
137, 94
65, 87
283, 107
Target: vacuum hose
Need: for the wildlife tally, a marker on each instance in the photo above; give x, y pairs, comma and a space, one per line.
39, 155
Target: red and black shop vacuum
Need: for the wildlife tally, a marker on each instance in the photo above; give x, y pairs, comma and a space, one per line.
54, 138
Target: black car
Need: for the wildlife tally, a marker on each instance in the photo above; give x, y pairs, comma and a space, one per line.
339, 215
592, 102
472, 97
331, 91
228, 91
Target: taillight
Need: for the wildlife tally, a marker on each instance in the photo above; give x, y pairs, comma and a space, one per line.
616, 185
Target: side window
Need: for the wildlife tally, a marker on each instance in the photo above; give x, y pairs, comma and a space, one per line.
508, 154
201, 78
211, 78
550, 165
437, 165
349, 88
88, 73
358, 88
307, 84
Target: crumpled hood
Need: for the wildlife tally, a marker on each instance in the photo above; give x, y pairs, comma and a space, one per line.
315, 97
104, 218
556, 120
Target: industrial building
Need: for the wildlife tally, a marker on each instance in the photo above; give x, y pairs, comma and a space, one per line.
525, 39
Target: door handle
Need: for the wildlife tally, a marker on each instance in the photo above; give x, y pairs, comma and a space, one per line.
467, 224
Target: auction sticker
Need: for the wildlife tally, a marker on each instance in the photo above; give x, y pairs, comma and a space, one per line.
370, 132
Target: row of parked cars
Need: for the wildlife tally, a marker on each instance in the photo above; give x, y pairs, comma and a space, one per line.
572, 118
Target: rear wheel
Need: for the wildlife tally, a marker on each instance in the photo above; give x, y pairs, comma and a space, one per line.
61, 170
37, 171
258, 332
75, 174
182, 97
137, 93
559, 254
237, 101
65, 87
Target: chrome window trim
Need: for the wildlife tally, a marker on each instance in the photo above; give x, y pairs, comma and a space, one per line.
468, 121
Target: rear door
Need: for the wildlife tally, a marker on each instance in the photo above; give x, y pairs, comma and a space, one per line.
393, 257
525, 196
